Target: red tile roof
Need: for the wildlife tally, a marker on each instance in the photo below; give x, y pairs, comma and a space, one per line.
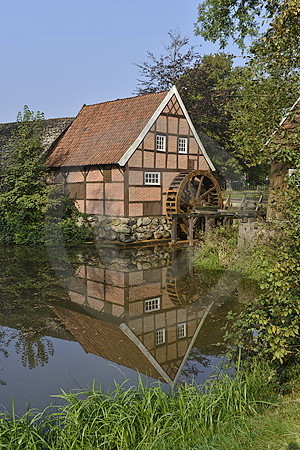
102, 133
106, 340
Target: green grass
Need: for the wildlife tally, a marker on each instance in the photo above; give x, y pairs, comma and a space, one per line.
218, 251
145, 418
276, 429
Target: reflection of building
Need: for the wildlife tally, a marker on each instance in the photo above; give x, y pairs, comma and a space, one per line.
132, 318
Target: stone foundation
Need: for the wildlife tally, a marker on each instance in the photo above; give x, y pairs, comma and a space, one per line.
130, 229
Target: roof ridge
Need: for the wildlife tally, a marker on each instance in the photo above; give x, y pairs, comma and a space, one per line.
126, 98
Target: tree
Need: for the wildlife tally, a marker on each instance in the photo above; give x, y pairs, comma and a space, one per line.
26, 199
269, 82
23, 201
202, 90
269, 327
273, 24
160, 73
260, 102
207, 89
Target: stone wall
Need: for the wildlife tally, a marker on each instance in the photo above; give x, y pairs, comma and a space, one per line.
251, 231
51, 130
129, 229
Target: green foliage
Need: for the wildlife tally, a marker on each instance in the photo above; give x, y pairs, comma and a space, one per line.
269, 83
261, 101
142, 417
202, 90
26, 201
270, 325
274, 24
221, 20
217, 250
208, 89
277, 429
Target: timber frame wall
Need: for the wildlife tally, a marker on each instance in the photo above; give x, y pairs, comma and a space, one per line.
112, 190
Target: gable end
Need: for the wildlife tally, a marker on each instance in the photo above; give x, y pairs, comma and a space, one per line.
173, 91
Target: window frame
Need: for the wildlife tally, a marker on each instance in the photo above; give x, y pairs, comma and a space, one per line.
160, 336
164, 141
185, 140
148, 302
181, 326
149, 182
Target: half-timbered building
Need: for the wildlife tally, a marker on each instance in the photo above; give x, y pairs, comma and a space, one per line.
118, 158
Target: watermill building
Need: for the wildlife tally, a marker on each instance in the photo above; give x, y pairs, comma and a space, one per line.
125, 161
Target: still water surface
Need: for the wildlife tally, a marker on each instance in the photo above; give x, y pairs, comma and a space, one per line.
82, 315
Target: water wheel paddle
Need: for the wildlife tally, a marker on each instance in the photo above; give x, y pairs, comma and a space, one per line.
192, 191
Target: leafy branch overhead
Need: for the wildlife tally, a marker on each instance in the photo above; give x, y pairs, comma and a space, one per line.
272, 25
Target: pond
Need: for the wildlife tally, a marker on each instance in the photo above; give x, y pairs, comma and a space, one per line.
81, 316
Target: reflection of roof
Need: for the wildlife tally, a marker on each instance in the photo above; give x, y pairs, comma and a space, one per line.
106, 340
103, 132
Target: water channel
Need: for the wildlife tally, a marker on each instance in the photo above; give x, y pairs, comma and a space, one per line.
78, 316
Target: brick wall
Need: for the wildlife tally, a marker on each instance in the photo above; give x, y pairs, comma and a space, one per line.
149, 193
136, 209
92, 206
168, 163
94, 191
114, 208
114, 191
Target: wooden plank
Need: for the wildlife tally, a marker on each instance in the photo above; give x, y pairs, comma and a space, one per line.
191, 231
174, 230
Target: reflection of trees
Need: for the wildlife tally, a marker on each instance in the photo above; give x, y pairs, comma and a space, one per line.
27, 287
33, 348
193, 365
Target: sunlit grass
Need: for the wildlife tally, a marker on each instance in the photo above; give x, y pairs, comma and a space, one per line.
143, 417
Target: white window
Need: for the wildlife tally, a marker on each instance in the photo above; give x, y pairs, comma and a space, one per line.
161, 143
153, 304
161, 336
182, 145
181, 330
152, 178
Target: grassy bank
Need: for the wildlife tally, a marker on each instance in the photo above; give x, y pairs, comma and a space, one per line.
219, 251
228, 412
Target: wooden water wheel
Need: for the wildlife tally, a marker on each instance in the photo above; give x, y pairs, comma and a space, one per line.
192, 191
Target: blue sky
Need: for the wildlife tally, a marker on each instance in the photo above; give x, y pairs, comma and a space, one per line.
58, 54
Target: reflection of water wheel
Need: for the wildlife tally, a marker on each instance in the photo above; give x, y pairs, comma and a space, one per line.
182, 290
192, 191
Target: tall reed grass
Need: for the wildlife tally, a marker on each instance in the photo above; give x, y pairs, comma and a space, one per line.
141, 417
